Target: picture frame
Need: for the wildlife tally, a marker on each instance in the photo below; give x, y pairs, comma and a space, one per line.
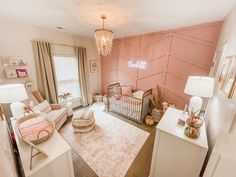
11, 73
9, 61
29, 85
223, 72
227, 76
21, 73
94, 67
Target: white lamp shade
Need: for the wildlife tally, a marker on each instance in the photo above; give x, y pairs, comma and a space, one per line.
12, 92
200, 86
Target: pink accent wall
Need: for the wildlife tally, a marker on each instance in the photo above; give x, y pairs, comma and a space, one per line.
171, 57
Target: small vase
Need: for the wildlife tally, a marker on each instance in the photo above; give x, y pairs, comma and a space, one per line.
156, 114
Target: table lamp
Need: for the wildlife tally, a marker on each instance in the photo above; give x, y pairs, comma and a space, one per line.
11, 93
197, 87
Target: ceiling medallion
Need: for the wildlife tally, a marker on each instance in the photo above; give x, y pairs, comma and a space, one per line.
103, 39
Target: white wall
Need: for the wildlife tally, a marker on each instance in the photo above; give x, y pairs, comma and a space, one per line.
15, 40
221, 110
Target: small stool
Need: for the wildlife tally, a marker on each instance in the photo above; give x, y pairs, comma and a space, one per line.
83, 121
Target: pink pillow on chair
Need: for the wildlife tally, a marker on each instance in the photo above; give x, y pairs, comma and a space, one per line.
126, 90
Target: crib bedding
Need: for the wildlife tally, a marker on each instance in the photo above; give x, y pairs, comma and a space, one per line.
126, 104
134, 107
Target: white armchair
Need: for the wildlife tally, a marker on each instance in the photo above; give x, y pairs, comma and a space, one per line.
53, 112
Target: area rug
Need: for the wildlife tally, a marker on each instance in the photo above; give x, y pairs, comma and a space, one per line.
110, 148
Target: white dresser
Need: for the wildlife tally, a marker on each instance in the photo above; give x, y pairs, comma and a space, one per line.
58, 164
174, 154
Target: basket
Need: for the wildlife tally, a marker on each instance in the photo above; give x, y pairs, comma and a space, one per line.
35, 128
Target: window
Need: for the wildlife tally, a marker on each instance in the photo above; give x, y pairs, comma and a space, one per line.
67, 76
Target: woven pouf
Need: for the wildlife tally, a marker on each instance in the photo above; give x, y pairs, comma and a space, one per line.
83, 121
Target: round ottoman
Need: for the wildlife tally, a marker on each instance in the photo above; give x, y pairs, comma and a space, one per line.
83, 121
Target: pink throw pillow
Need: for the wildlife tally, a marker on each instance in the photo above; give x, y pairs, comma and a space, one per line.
117, 90
126, 90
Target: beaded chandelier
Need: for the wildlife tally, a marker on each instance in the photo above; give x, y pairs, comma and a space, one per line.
103, 39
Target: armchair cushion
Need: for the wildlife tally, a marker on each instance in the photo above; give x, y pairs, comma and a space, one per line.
43, 107
56, 115
38, 96
56, 106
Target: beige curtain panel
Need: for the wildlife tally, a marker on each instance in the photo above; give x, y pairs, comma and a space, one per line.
83, 75
46, 79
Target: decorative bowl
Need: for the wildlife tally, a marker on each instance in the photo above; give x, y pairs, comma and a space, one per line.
192, 132
195, 122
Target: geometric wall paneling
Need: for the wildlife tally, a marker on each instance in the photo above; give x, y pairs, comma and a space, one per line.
150, 82
149, 39
175, 85
153, 67
126, 75
192, 50
173, 98
127, 51
175, 66
109, 65
160, 48
132, 41
206, 32
171, 57
126, 79
107, 79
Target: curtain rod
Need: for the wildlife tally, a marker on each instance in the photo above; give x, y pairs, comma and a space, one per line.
68, 45
63, 44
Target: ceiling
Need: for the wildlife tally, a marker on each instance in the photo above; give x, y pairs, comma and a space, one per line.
124, 17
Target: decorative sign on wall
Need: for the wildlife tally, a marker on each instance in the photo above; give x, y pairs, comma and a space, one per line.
138, 64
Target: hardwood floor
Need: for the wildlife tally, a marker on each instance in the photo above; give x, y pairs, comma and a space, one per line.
140, 166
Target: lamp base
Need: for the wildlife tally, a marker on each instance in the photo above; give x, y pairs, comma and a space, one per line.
195, 103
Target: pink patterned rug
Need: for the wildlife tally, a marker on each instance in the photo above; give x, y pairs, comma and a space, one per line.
110, 148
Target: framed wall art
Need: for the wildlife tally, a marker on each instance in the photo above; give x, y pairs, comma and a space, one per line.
22, 73
12, 61
227, 76
94, 68
11, 73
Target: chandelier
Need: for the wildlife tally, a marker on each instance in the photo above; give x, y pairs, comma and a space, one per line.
103, 39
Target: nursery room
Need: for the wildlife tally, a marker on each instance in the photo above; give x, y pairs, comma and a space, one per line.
104, 88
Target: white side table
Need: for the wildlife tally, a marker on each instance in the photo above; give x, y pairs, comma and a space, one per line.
69, 108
